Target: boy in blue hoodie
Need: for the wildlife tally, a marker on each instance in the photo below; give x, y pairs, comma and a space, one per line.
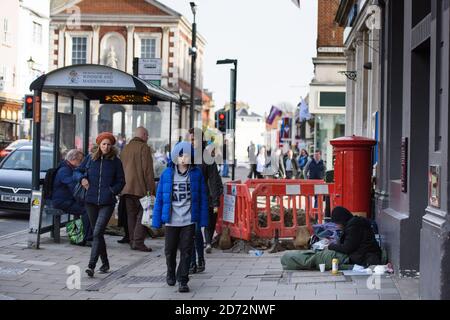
181, 202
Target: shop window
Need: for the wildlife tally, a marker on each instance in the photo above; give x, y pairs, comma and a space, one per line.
332, 99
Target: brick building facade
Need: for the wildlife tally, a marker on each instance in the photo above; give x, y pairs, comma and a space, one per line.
111, 32
327, 89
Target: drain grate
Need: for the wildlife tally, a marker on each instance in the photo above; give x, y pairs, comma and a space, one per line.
136, 279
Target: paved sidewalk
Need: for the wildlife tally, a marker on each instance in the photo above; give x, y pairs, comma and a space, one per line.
41, 274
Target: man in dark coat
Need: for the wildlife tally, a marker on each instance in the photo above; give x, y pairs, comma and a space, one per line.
358, 239
63, 189
214, 192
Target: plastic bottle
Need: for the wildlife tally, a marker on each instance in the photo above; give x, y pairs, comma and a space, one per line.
255, 253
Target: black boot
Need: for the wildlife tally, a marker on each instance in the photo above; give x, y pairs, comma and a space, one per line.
124, 240
90, 271
193, 268
201, 265
183, 287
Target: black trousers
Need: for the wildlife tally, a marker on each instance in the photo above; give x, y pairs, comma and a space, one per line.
99, 217
209, 231
182, 238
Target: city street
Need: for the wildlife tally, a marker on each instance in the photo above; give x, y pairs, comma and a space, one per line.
11, 222
41, 274
118, 111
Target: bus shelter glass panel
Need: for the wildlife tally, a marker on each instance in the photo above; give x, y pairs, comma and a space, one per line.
122, 121
80, 124
48, 119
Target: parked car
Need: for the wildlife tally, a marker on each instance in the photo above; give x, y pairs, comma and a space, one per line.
20, 143
15, 177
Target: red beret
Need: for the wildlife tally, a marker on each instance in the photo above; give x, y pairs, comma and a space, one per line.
105, 135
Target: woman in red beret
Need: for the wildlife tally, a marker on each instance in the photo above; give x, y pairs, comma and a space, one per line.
101, 174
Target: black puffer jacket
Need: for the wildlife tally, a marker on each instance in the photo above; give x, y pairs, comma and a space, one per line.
214, 184
358, 241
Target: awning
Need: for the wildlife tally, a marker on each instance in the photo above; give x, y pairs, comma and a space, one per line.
98, 82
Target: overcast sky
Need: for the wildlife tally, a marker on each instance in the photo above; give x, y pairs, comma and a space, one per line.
273, 40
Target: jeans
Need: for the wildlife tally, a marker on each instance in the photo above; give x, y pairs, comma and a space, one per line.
182, 238
75, 208
289, 175
209, 231
198, 245
99, 217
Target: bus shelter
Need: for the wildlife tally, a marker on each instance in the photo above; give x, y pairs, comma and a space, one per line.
76, 88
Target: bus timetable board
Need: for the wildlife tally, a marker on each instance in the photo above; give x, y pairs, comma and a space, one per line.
126, 99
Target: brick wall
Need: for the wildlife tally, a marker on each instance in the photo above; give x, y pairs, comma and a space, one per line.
329, 34
105, 29
118, 7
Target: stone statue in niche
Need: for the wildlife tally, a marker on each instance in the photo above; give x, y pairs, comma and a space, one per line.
111, 59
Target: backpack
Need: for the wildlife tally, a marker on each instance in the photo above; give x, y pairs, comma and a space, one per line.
47, 188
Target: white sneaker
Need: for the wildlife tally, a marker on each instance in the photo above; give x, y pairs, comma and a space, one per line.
208, 248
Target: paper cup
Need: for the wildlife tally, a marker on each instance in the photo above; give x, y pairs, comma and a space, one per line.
322, 267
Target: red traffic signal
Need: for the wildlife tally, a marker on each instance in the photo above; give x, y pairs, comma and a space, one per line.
222, 116
28, 107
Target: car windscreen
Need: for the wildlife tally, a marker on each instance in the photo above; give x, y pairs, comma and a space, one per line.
21, 160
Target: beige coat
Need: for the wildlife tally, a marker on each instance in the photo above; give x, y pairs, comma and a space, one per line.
137, 162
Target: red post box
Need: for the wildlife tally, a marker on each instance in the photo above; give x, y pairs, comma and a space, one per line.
352, 173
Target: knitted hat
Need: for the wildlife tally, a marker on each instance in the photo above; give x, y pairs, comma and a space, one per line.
340, 215
180, 148
105, 135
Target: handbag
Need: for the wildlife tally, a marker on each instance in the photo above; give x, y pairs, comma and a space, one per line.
75, 231
79, 192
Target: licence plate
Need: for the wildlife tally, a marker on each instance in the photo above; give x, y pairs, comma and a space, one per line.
9, 198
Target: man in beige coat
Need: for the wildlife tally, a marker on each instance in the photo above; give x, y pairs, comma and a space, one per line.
137, 162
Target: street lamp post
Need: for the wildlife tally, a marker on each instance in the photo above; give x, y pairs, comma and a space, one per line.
193, 53
233, 80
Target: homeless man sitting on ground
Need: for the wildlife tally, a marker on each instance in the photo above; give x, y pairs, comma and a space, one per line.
357, 245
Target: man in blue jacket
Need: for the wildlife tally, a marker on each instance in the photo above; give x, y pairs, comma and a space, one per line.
63, 188
181, 202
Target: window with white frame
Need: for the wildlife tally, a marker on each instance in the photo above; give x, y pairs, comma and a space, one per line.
148, 48
79, 50
37, 33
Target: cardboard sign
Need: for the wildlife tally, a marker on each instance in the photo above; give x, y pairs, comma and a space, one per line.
229, 208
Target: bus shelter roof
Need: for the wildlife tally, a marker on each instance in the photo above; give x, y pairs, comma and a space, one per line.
98, 82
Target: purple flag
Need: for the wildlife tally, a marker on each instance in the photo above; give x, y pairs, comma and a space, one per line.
274, 112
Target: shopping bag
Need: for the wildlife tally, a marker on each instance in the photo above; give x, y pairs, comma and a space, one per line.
75, 231
147, 203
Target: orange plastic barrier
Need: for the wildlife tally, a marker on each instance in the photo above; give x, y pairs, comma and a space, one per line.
296, 194
253, 183
300, 194
241, 227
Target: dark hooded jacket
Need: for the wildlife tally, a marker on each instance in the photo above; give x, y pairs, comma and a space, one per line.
357, 240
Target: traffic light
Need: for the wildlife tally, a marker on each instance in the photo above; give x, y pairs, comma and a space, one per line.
222, 121
28, 107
